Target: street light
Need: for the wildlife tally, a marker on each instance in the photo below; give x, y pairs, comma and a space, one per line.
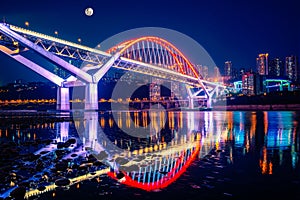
79, 40
56, 33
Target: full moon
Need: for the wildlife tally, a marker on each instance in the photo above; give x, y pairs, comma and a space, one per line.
89, 11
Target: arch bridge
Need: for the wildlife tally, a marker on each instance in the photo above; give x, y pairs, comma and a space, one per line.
147, 55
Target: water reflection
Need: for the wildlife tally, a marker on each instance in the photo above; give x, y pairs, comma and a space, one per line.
108, 138
170, 143
150, 149
269, 133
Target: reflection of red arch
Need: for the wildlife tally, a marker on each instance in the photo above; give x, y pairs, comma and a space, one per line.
164, 182
165, 44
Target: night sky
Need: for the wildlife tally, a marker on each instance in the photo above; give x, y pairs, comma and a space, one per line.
227, 30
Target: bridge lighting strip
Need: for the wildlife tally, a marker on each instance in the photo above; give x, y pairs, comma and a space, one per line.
158, 76
157, 68
212, 83
283, 85
64, 42
278, 80
138, 69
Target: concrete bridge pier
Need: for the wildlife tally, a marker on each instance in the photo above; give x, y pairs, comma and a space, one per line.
208, 101
63, 99
191, 102
91, 96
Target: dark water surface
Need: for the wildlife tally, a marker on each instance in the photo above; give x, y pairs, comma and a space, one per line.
182, 155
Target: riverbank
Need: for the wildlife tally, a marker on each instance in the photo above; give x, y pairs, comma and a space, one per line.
285, 100
277, 107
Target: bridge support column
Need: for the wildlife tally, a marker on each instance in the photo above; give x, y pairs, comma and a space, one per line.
217, 91
191, 103
91, 96
63, 99
208, 101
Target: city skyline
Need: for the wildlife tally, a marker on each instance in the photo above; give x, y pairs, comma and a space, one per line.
235, 31
273, 67
282, 67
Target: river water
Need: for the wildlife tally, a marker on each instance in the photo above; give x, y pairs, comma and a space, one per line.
188, 155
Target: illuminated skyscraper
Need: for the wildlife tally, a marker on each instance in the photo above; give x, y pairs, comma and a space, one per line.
240, 73
292, 68
216, 71
217, 74
252, 84
199, 69
248, 84
203, 71
262, 64
276, 67
228, 69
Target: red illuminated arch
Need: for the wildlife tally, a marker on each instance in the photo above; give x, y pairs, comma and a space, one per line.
167, 180
160, 48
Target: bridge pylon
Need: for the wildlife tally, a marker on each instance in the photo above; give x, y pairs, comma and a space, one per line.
63, 99
91, 96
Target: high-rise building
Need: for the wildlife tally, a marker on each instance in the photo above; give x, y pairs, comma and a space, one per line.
276, 68
228, 69
248, 83
262, 64
239, 73
252, 84
203, 71
234, 75
292, 69
199, 69
217, 74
